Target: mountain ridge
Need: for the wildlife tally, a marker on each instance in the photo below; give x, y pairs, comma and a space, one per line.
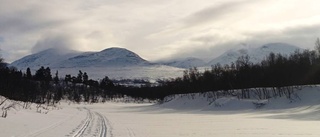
56, 59
121, 57
256, 55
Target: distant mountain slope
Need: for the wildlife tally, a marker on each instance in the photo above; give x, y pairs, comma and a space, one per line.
185, 63
256, 54
55, 58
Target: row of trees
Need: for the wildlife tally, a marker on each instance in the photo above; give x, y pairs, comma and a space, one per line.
42, 87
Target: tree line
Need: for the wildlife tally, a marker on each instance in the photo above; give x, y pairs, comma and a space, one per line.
276, 75
42, 87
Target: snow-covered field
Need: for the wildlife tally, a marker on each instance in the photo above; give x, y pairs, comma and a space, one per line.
183, 116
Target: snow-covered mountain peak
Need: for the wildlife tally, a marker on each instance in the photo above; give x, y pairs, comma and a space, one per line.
56, 58
115, 49
107, 57
116, 52
256, 54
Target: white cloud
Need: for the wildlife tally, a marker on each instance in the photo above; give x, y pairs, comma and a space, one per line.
155, 29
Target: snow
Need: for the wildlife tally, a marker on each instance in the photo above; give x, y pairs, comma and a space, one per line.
256, 54
184, 115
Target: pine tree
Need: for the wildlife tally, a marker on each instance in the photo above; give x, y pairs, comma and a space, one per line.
106, 83
79, 77
85, 78
317, 46
40, 74
28, 75
47, 74
56, 77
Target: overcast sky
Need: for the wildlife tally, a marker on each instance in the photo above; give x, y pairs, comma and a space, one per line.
155, 29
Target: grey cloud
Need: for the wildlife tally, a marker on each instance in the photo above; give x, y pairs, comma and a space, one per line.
301, 36
62, 42
304, 30
210, 47
26, 21
206, 39
10, 56
215, 12
208, 50
179, 27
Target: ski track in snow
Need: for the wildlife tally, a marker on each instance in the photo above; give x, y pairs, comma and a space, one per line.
83, 125
93, 125
103, 125
95, 122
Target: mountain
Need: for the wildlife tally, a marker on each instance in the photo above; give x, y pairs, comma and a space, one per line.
54, 58
50, 57
111, 57
185, 63
256, 54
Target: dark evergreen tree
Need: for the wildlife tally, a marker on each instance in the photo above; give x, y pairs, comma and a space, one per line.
56, 77
79, 77
67, 78
28, 74
106, 83
317, 46
85, 78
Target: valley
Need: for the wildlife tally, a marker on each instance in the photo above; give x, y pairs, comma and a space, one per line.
159, 68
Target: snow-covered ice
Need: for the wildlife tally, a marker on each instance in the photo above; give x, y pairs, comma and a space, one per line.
183, 116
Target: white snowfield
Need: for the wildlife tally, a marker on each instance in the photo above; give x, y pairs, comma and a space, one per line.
183, 116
